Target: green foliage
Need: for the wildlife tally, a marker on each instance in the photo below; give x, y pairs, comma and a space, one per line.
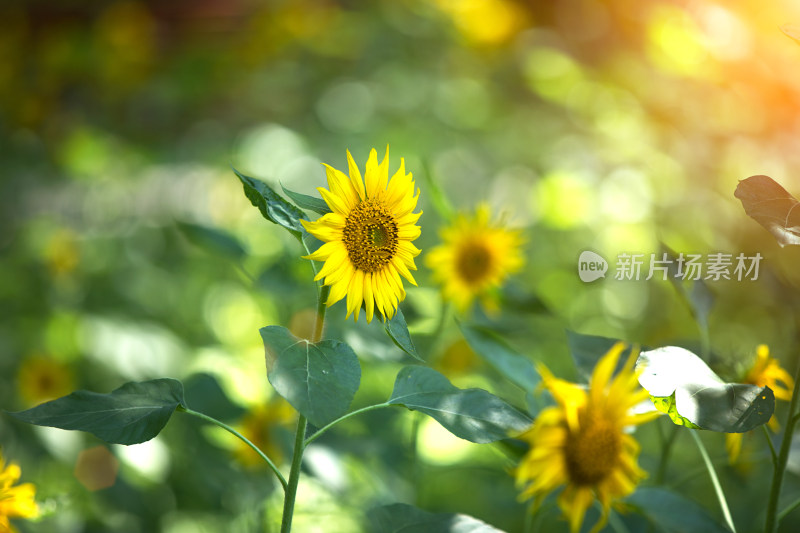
397, 329
687, 388
515, 367
133, 413
669, 512
272, 206
204, 394
214, 240
472, 414
304, 201
771, 206
319, 380
402, 518
586, 350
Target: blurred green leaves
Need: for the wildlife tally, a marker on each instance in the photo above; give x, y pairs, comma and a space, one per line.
772, 206
684, 387
397, 329
515, 367
471, 414
319, 380
669, 512
135, 412
401, 517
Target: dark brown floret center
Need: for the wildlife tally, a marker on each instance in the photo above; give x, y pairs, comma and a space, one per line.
370, 236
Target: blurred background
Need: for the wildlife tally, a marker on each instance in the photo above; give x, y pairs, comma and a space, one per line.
129, 251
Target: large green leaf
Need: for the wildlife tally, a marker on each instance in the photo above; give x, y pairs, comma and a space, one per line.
514, 366
304, 201
272, 205
586, 351
772, 207
669, 512
472, 414
133, 413
397, 329
319, 380
682, 384
403, 518
213, 240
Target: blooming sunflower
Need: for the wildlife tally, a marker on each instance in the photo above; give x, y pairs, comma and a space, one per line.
581, 443
765, 372
474, 259
15, 501
367, 236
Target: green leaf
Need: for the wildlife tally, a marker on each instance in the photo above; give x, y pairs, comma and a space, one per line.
272, 206
212, 239
204, 394
133, 413
319, 380
772, 207
669, 512
699, 395
397, 329
403, 518
471, 414
305, 201
587, 350
514, 366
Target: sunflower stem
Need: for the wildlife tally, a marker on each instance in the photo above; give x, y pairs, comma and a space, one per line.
773, 519
723, 503
299, 438
320, 431
241, 437
771, 446
666, 447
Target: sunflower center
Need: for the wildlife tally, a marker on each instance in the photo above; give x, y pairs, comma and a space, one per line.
593, 453
473, 262
370, 236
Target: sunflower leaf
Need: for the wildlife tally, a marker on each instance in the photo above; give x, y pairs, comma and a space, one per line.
669, 512
683, 386
304, 201
397, 329
272, 205
586, 351
319, 380
401, 517
471, 414
213, 240
134, 413
772, 207
515, 367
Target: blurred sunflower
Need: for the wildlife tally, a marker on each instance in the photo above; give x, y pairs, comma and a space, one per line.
40, 379
765, 372
367, 236
261, 426
474, 259
15, 501
581, 443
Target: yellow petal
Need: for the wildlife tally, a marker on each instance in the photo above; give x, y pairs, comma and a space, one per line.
355, 177
369, 300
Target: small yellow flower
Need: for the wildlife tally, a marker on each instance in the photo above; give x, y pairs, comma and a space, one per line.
765, 372
40, 379
15, 501
260, 426
367, 236
474, 259
581, 443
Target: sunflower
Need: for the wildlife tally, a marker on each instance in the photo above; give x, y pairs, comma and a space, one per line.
474, 259
765, 372
41, 378
581, 442
15, 501
367, 236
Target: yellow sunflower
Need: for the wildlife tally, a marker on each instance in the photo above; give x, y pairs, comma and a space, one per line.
367, 236
581, 443
15, 501
765, 372
474, 259
260, 426
41, 378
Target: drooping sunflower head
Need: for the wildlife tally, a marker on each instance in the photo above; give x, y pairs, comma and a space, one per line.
368, 236
16, 501
474, 259
580, 444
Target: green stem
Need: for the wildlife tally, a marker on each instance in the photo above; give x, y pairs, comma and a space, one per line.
723, 503
771, 446
788, 509
240, 436
783, 456
299, 438
320, 431
666, 447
